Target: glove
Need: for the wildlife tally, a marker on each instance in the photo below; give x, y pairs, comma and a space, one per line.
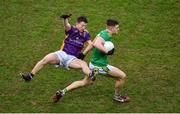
81, 56
65, 16
111, 52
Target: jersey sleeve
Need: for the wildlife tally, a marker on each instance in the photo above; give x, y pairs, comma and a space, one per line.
103, 36
70, 31
87, 36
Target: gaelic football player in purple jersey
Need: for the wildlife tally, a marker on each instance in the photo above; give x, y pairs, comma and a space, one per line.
70, 55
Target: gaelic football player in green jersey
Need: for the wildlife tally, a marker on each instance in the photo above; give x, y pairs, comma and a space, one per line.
99, 59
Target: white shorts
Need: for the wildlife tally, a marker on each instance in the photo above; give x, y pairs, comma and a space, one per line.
100, 69
64, 58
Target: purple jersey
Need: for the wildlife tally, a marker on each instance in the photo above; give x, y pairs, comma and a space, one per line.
74, 41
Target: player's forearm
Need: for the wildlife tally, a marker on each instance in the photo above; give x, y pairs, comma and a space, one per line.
87, 49
67, 25
100, 47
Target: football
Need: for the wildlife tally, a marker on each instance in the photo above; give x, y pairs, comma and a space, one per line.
108, 45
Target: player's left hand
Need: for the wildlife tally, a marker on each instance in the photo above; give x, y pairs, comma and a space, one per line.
111, 52
65, 16
81, 56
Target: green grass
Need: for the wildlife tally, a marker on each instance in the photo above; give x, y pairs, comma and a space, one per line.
147, 50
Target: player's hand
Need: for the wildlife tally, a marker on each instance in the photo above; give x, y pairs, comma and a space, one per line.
65, 16
111, 52
81, 56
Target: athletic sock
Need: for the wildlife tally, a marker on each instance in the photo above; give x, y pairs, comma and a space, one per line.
117, 94
64, 91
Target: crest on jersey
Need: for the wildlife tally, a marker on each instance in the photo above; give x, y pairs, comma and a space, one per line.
77, 38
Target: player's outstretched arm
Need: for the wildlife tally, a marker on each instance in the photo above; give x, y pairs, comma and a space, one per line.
66, 23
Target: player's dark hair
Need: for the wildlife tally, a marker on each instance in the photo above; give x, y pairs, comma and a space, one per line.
82, 19
111, 22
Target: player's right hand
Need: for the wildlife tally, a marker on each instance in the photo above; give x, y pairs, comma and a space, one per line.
65, 16
81, 56
111, 52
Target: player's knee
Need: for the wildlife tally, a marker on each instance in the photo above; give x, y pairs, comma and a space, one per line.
87, 82
45, 60
42, 62
50, 58
84, 83
122, 76
83, 63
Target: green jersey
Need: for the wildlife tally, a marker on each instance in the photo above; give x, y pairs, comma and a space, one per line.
99, 58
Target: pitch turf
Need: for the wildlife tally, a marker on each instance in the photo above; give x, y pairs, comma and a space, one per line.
147, 49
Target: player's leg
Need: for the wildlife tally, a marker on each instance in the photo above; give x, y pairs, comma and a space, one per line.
51, 58
120, 77
80, 83
74, 85
77, 63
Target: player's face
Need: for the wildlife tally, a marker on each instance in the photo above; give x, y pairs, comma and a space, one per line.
115, 29
81, 26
